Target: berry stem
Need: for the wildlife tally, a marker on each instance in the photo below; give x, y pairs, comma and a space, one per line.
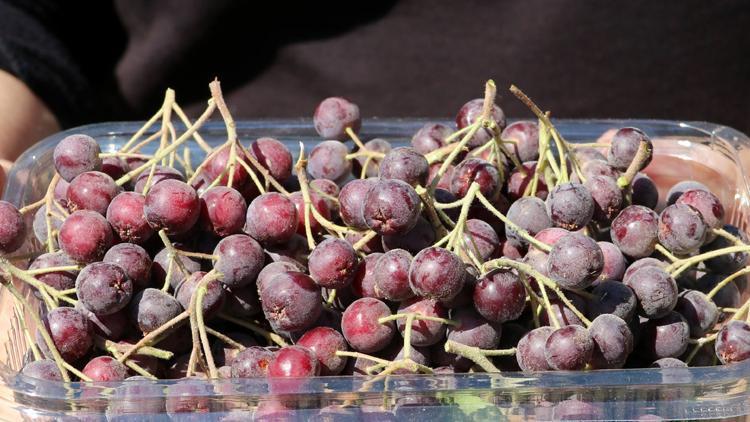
39, 271
432, 214
48, 198
508, 223
662, 250
226, 339
361, 356
472, 353
33, 206
137, 135
110, 345
206, 256
186, 121
368, 236
729, 236
143, 143
416, 316
146, 340
299, 167
407, 335
676, 268
18, 315
458, 231
643, 154
197, 325
43, 289
727, 280
269, 336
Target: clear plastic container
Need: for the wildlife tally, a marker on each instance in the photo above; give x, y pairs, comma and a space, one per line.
714, 155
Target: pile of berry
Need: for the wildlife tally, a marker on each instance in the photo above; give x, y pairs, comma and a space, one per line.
485, 248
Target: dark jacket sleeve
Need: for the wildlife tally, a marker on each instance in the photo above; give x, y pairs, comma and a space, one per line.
36, 47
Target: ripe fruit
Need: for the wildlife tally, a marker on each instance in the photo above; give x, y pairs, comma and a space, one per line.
271, 219
391, 207
333, 115
103, 288
172, 205
333, 263
76, 154
361, 328
85, 236
436, 273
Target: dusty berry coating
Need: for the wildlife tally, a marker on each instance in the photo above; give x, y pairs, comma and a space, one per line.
70, 331
76, 154
60, 280
430, 137
223, 211
563, 313
518, 182
320, 205
105, 368
681, 229
575, 261
172, 205
613, 297
352, 202
391, 275
328, 161
373, 164
360, 326
613, 341
607, 196
635, 231
699, 311
43, 369
525, 134
727, 263
111, 327
445, 180
252, 362
333, 263
161, 173
213, 299
530, 350
614, 262
644, 191
570, 206
92, 190
134, 260
274, 268
39, 225
475, 170
61, 192
114, 167
333, 115
161, 264
12, 228
708, 205
593, 168
733, 342
666, 337
328, 191
587, 154
274, 156
325, 342
85, 236
470, 112
473, 330
103, 288
152, 308
220, 163
391, 207
500, 296
125, 215
549, 236
291, 301
655, 289
189, 395
530, 214
679, 188
569, 348
271, 219
424, 332
239, 260
374, 245
624, 147
421, 236
363, 284
641, 263
436, 273
405, 164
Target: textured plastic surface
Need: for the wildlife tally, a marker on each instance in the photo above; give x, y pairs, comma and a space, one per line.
714, 155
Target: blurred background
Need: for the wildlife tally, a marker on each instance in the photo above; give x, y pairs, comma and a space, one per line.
90, 61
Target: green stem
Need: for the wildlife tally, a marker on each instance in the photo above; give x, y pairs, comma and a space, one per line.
473, 353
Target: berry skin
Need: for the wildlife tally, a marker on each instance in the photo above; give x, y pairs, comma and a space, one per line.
43, 369
635, 231
239, 260
161, 266
624, 147
295, 362
655, 289
352, 202
391, 207
708, 205
613, 341
361, 328
575, 261
530, 214
681, 187
614, 262
271, 219
223, 211
424, 332
607, 197
325, 342
644, 192
333, 263
570, 206
436, 273
76, 154
333, 115
70, 331
530, 350
473, 330
475, 170
470, 112
526, 137
364, 281
274, 156
405, 164
161, 173
569, 348
391, 275
85, 236
430, 137
60, 280
134, 260
213, 299
320, 205
125, 215
500, 296
328, 161
733, 342
681, 229
699, 311
12, 228
105, 368
93, 191
666, 337
103, 288
252, 362
291, 301
152, 308
172, 205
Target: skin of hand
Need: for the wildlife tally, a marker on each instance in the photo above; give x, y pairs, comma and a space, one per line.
24, 120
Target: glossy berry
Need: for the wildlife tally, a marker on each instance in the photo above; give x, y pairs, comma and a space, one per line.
530, 350
641, 263
328, 161
470, 112
391, 207
70, 331
624, 147
569, 348
733, 342
161, 173
391, 273
405, 164
105, 368
363, 284
274, 156
328, 191
436, 273
679, 188
213, 299
656, 291
271, 219
575, 261
613, 341
252, 362
424, 332
172, 205
333, 115
274, 268
239, 260
76, 154
635, 231
529, 214
500, 296
430, 137
681, 229
352, 201
324, 342
475, 170
151, 308
644, 191
223, 211
219, 164
125, 215
85, 236
12, 228
333, 263
296, 362
161, 265
570, 206
525, 135
134, 260
361, 328
103, 288
614, 262
93, 191
291, 301
518, 182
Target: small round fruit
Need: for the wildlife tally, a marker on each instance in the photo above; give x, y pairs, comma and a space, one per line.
239, 258
271, 219
103, 288
436, 273
391, 207
325, 342
361, 328
12, 228
85, 236
635, 231
733, 342
76, 154
333, 263
569, 348
333, 115
500, 296
575, 261
172, 205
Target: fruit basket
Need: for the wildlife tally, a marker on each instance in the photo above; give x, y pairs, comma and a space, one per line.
715, 155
